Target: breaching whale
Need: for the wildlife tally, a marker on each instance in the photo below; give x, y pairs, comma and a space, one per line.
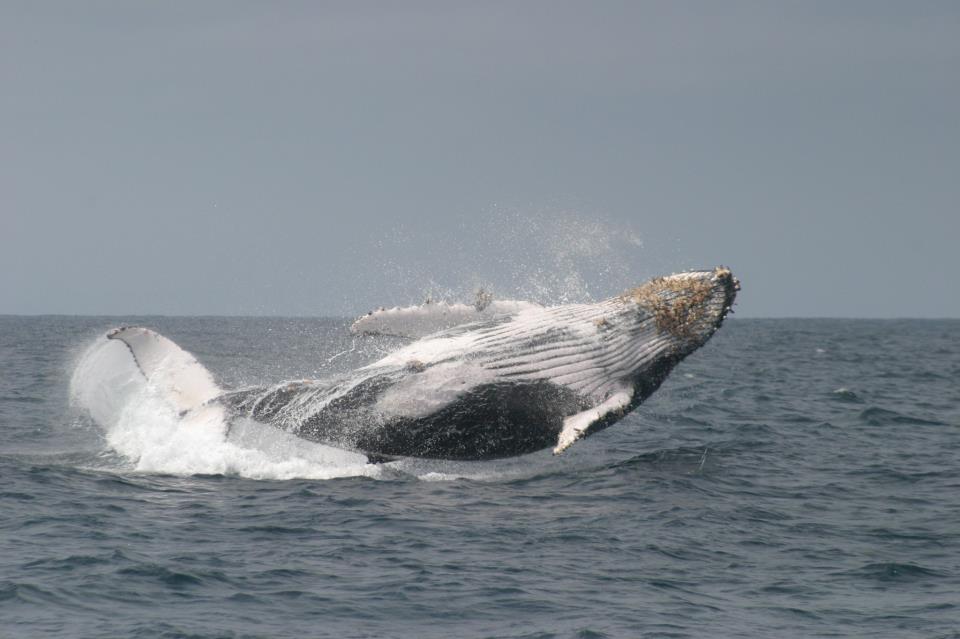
491, 380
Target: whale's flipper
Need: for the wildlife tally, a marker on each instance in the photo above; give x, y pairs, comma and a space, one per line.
576, 426
414, 322
182, 380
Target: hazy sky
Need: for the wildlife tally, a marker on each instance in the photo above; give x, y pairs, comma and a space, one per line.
319, 158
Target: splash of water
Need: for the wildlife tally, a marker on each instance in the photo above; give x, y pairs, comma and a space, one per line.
544, 255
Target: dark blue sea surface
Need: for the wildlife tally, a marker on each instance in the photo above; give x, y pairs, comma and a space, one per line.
793, 478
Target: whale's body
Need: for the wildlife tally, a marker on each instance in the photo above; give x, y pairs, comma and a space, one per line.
496, 382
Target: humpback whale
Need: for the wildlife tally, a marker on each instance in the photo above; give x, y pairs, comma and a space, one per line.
485, 381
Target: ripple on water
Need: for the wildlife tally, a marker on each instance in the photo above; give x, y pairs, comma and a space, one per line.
845, 395
164, 575
894, 572
876, 416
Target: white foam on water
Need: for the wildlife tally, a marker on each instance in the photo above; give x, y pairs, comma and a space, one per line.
146, 430
498, 470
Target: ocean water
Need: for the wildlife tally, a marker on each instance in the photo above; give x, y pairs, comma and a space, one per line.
793, 478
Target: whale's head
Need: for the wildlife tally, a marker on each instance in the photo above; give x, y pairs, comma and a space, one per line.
686, 308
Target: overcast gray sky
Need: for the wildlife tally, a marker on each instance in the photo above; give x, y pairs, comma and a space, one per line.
319, 158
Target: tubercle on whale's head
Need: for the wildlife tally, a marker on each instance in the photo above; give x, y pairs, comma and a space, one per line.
690, 306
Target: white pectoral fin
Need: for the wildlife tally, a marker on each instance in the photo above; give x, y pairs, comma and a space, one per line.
414, 322
576, 426
174, 372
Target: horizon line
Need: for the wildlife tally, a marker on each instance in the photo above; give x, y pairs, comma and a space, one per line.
349, 317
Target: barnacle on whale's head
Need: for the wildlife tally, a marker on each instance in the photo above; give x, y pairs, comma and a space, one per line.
688, 307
